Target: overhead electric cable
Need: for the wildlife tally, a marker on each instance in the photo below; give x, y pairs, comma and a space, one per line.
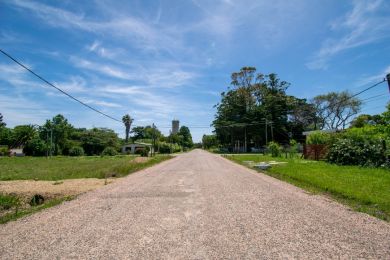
57, 88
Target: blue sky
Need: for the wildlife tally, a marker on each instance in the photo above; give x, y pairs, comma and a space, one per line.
159, 60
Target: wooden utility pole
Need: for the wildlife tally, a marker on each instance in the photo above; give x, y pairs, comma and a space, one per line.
266, 134
245, 145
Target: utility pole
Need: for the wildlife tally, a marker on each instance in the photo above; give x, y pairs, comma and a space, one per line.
47, 141
388, 80
272, 131
51, 142
245, 145
266, 134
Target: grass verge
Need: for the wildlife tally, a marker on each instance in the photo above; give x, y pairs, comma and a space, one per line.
60, 168
18, 213
364, 189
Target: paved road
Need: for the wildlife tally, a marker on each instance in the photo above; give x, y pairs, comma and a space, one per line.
196, 206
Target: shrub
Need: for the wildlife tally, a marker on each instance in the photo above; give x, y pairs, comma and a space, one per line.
76, 151
109, 151
142, 151
3, 151
166, 148
35, 147
348, 151
8, 201
318, 137
293, 149
275, 149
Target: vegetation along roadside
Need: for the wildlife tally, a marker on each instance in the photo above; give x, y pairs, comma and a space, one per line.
362, 188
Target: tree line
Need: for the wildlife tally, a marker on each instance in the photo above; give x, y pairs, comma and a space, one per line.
58, 137
256, 109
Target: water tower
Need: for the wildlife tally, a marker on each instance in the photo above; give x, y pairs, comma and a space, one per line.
175, 126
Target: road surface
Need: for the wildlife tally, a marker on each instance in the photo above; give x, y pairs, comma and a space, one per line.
196, 206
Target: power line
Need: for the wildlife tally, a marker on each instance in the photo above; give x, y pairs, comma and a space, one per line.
60, 90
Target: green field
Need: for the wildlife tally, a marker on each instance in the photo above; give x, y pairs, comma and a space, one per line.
59, 168
364, 189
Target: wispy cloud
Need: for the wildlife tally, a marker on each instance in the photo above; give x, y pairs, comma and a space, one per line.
363, 25
143, 35
373, 78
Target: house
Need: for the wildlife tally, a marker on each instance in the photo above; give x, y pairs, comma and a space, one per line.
132, 148
16, 152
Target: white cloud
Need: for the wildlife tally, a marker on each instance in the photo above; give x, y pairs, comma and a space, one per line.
363, 25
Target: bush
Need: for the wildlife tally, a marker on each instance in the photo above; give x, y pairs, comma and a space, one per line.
3, 150
109, 151
348, 151
275, 149
35, 147
166, 148
144, 152
8, 201
293, 149
76, 151
318, 137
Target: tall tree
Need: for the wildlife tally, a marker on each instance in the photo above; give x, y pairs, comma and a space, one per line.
252, 100
186, 140
335, 109
2, 123
127, 120
60, 129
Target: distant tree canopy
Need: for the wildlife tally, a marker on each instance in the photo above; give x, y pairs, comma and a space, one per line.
145, 132
256, 107
58, 137
2, 123
209, 141
335, 109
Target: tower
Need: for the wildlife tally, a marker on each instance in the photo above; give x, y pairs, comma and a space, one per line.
175, 126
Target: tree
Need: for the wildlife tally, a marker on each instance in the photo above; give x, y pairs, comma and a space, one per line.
60, 130
335, 109
147, 132
95, 140
127, 120
253, 107
209, 141
21, 134
186, 138
364, 119
2, 123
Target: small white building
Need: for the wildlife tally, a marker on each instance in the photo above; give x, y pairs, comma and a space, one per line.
132, 148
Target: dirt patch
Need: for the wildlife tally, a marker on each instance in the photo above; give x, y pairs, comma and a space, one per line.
141, 159
25, 189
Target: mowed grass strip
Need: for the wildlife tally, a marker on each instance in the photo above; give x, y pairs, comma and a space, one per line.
59, 168
364, 189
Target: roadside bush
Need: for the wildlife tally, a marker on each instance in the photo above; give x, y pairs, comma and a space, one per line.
8, 201
293, 149
275, 149
145, 152
76, 151
3, 151
142, 151
109, 151
166, 148
35, 147
318, 137
348, 151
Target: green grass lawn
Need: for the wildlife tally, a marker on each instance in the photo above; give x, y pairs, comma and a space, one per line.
364, 189
59, 168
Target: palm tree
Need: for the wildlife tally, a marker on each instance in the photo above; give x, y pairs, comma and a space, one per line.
127, 120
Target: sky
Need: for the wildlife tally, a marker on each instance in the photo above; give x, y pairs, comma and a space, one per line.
168, 59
